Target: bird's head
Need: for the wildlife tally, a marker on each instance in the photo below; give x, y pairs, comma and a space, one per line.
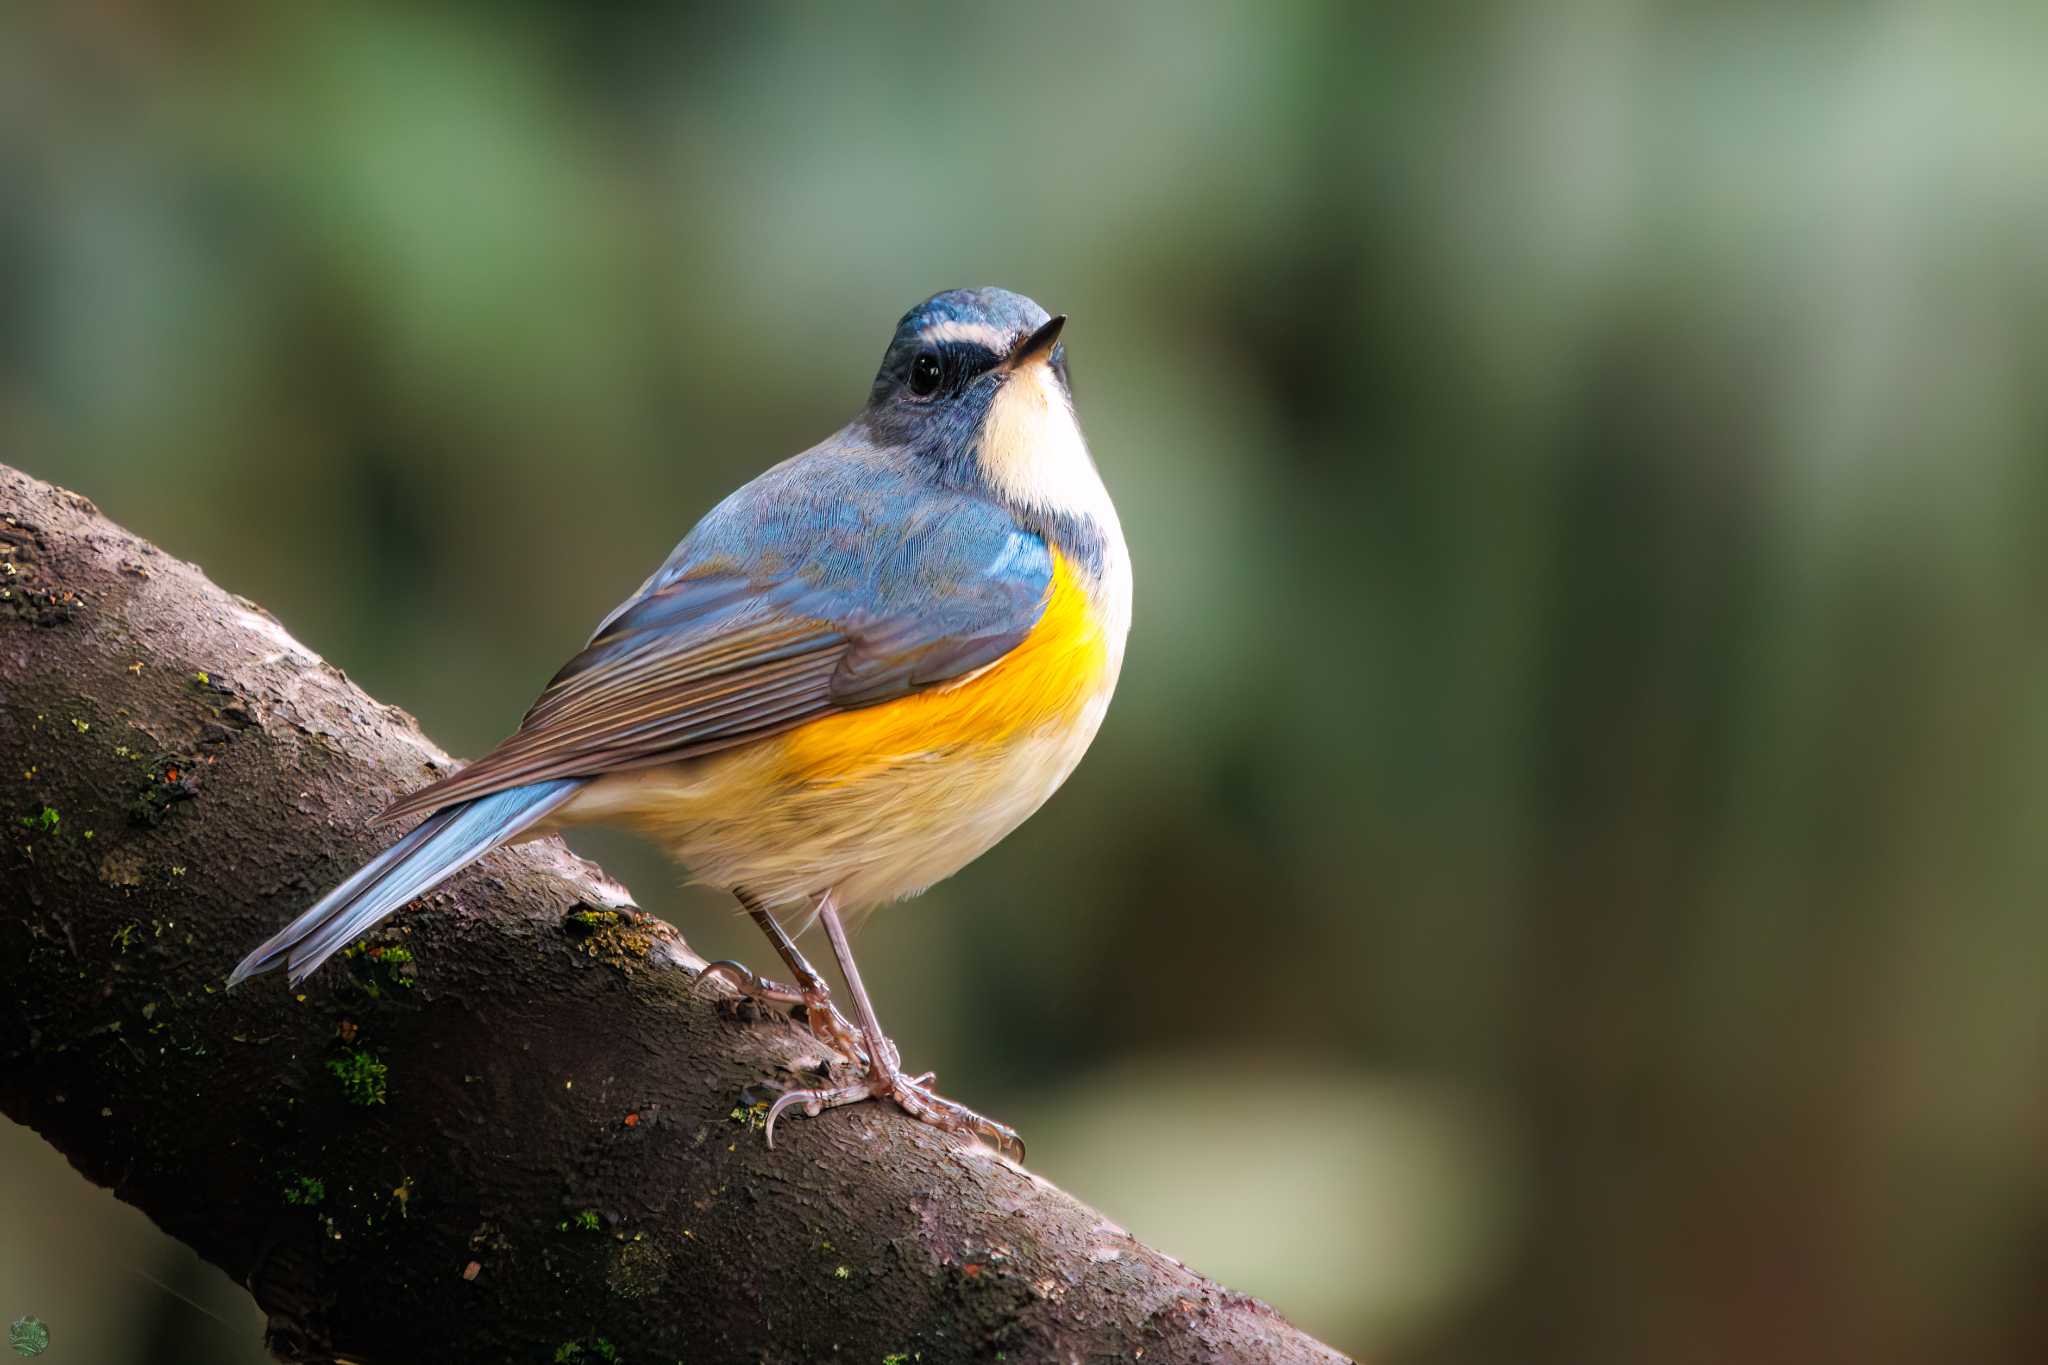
975, 380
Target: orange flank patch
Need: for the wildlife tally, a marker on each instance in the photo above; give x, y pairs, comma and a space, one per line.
1048, 678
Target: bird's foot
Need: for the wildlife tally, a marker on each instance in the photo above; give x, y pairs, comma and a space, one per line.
828, 1025
912, 1094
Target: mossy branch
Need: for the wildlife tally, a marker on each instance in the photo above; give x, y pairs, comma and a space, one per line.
505, 1128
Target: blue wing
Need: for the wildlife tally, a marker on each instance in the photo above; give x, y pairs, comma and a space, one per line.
836, 580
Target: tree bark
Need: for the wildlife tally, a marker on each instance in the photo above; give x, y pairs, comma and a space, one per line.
505, 1129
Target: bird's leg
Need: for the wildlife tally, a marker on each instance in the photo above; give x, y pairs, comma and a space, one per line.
828, 1025
885, 1077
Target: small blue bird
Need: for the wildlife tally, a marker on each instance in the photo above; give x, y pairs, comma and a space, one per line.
852, 678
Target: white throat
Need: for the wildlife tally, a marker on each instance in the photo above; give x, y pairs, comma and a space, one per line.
1032, 453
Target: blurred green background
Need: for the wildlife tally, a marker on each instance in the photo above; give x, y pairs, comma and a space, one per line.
1561, 880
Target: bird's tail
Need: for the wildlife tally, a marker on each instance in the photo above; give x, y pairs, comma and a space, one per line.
444, 843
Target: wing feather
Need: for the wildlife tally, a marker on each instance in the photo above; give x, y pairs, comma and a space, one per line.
712, 655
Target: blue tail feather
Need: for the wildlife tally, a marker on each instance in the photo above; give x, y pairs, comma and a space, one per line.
443, 844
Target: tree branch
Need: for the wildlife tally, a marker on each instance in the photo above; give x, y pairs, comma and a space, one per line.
504, 1130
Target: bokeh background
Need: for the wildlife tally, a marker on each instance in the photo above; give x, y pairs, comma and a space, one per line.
1562, 879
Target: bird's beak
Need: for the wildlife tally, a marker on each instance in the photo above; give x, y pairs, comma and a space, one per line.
1038, 345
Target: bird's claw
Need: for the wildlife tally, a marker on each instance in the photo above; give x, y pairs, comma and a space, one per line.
867, 1046
748, 983
913, 1095
828, 1025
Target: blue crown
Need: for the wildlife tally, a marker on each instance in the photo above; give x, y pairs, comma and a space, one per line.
1010, 313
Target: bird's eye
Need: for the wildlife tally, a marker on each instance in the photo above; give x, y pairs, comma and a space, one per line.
925, 374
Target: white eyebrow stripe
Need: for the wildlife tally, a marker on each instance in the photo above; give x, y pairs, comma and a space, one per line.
980, 333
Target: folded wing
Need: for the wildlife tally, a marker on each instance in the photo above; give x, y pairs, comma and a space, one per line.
752, 630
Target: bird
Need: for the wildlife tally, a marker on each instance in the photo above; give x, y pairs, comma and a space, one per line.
855, 675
